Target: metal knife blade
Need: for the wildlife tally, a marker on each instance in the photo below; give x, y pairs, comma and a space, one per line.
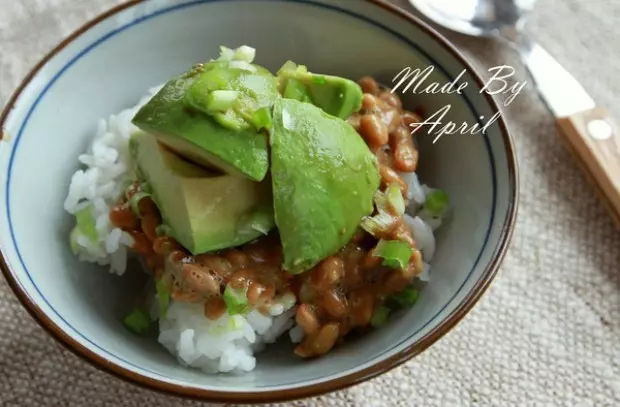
560, 91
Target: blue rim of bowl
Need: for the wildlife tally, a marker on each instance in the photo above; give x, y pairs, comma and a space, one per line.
381, 366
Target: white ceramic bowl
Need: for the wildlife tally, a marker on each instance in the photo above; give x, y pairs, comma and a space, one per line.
111, 62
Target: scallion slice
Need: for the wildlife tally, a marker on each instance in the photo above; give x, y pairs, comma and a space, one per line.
234, 323
137, 321
374, 225
395, 199
261, 119
380, 317
262, 222
244, 53
380, 200
163, 296
221, 100
437, 202
395, 254
244, 66
134, 202
86, 223
226, 54
288, 66
236, 300
406, 298
75, 247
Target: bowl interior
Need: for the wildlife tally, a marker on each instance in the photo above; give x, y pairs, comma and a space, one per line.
113, 64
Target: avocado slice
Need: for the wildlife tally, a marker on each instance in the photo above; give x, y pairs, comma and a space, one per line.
337, 96
324, 178
208, 116
204, 211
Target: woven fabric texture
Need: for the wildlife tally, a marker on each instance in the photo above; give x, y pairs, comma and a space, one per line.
547, 332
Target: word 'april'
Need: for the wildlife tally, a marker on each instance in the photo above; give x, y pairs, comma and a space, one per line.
416, 81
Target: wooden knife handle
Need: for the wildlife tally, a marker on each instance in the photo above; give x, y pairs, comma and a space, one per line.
593, 137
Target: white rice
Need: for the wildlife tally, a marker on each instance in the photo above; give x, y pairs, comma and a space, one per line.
415, 191
226, 345
98, 185
296, 334
421, 222
423, 235
425, 275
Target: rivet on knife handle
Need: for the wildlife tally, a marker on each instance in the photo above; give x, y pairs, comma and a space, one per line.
594, 137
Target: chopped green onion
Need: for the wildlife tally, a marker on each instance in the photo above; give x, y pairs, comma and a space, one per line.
406, 298
231, 119
395, 254
262, 222
214, 79
163, 230
301, 69
135, 201
163, 296
86, 223
380, 317
75, 247
395, 199
288, 66
291, 67
138, 320
378, 223
436, 203
244, 53
392, 199
380, 200
226, 54
234, 323
236, 301
244, 66
221, 100
259, 227
206, 95
318, 79
261, 119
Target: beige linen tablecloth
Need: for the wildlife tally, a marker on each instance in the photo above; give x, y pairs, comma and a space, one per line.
547, 333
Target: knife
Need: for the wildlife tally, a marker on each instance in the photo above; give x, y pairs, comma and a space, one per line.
588, 132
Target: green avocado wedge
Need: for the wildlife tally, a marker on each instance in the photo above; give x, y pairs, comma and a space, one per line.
337, 96
203, 211
207, 116
324, 178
